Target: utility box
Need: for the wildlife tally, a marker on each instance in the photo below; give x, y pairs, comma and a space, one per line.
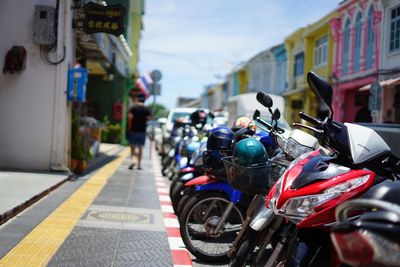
44, 31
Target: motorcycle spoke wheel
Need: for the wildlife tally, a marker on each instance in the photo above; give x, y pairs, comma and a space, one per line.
198, 222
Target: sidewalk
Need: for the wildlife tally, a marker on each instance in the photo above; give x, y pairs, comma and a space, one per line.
19, 190
114, 217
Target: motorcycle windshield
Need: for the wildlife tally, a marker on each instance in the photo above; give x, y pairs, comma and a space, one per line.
317, 168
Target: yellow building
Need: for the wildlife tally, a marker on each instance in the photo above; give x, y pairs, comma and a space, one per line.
136, 12
243, 79
308, 49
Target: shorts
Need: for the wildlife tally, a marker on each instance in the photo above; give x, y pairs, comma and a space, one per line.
137, 138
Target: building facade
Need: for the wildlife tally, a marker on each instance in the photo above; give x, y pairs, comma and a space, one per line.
296, 95
390, 63
35, 112
280, 82
262, 72
357, 35
318, 58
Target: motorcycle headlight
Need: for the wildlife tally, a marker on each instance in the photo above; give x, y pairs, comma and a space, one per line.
281, 142
305, 206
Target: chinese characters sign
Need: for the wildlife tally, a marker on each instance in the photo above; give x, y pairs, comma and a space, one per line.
109, 19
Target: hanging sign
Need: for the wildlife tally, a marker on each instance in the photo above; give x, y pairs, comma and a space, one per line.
108, 19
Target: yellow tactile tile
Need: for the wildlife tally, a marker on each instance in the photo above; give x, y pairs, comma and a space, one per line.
39, 246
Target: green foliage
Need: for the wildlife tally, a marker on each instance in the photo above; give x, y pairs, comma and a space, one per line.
112, 133
160, 110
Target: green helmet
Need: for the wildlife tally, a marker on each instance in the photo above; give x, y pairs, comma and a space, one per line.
249, 151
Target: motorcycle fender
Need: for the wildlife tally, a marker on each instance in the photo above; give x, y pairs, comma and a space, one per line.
255, 205
261, 218
203, 179
187, 170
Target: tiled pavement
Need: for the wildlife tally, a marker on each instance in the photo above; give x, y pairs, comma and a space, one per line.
111, 217
121, 225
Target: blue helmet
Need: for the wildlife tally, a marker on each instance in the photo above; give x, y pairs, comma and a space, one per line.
266, 139
220, 138
192, 147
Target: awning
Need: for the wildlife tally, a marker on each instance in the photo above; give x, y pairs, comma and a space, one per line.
390, 82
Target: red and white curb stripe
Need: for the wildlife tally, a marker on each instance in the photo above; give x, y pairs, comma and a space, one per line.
180, 256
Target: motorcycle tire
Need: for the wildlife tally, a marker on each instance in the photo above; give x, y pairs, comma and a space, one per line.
182, 203
166, 162
246, 247
176, 194
192, 217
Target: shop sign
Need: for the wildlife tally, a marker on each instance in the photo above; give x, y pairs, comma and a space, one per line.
108, 19
77, 81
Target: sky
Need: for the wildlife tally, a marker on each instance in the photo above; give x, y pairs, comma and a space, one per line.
196, 43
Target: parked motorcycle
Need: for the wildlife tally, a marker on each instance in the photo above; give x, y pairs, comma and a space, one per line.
309, 191
212, 215
260, 223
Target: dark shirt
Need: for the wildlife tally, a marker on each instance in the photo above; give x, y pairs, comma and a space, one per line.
139, 120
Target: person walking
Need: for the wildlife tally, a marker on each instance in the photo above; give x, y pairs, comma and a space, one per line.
138, 115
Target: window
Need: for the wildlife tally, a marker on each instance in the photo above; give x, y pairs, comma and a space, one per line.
298, 64
357, 43
370, 39
395, 29
321, 51
346, 48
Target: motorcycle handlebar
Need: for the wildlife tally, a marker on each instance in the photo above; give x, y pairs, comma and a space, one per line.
243, 131
269, 126
310, 119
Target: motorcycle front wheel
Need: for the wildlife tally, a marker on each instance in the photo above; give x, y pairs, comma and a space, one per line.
198, 226
246, 248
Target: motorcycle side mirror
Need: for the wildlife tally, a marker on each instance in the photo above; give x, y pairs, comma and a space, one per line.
322, 89
256, 114
264, 99
276, 115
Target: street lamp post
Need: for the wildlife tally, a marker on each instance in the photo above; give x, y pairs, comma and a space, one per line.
155, 89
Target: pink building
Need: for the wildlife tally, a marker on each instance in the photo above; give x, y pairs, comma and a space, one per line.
356, 32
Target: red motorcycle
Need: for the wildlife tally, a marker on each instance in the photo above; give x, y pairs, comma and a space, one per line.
313, 186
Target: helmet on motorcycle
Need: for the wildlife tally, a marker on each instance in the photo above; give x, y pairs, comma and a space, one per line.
220, 138
198, 118
266, 139
249, 152
243, 122
192, 147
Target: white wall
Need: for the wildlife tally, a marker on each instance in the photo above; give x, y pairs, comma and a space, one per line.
262, 72
34, 115
388, 59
